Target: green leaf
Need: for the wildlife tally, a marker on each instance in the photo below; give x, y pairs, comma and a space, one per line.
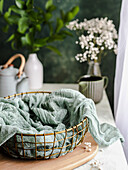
48, 4
17, 10
39, 45
39, 10
11, 38
41, 42
38, 27
20, 4
13, 45
50, 28
1, 5
7, 14
48, 16
66, 33
29, 4
5, 28
69, 16
13, 19
23, 41
62, 14
75, 10
35, 49
29, 36
60, 25
32, 16
51, 8
54, 49
23, 25
55, 38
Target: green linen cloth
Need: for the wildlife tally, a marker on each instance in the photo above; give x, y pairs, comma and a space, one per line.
48, 113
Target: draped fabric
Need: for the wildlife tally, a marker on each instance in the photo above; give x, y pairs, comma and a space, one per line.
43, 114
121, 77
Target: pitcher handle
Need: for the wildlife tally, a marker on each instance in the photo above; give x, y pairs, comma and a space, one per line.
105, 81
12, 59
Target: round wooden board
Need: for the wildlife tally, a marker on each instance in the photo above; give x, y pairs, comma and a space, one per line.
69, 161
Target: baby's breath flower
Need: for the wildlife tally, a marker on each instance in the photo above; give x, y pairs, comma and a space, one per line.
96, 35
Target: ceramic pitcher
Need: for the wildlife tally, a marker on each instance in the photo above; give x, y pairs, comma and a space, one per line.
13, 80
93, 86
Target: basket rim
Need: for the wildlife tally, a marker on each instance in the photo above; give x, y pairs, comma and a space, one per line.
46, 134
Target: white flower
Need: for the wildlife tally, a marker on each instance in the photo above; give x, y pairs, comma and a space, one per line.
102, 48
96, 35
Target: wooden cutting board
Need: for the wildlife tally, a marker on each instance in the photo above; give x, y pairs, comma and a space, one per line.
69, 161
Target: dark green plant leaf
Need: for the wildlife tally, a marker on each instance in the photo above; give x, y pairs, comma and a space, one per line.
54, 49
20, 4
41, 40
35, 49
30, 36
24, 41
48, 4
69, 16
62, 14
29, 4
38, 27
40, 10
17, 10
32, 16
39, 45
5, 28
59, 25
56, 38
66, 32
75, 11
13, 19
51, 8
13, 45
50, 28
23, 25
11, 38
7, 14
1, 5
48, 16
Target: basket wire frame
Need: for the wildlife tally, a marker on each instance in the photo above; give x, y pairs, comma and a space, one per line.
82, 127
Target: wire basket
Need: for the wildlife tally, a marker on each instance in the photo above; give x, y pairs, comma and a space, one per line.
21, 148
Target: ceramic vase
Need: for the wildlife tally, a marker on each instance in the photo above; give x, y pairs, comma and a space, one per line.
34, 71
94, 68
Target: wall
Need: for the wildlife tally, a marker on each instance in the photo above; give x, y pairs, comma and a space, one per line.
65, 69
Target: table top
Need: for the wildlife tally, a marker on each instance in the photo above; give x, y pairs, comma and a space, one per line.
111, 157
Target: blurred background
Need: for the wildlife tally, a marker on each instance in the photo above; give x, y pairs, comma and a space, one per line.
65, 68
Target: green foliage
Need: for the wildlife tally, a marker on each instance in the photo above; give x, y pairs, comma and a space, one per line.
1, 6
29, 22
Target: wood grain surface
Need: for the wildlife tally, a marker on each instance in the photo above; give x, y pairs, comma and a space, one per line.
69, 161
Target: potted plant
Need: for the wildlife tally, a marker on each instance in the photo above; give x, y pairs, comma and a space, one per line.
95, 37
29, 23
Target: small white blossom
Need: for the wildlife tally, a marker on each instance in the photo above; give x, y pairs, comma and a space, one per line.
96, 35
